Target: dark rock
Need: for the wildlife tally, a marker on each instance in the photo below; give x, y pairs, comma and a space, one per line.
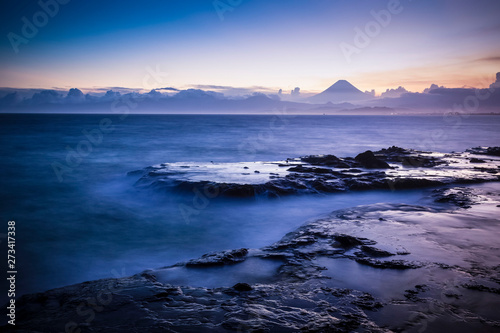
392, 151
242, 287
318, 177
369, 161
374, 252
367, 302
347, 241
419, 162
295, 242
300, 168
476, 160
460, 196
325, 160
480, 287
219, 258
409, 183
392, 264
494, 151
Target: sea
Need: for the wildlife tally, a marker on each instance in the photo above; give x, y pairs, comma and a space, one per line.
79, 215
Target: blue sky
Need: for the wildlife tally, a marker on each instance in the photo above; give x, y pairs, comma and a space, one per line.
275, 44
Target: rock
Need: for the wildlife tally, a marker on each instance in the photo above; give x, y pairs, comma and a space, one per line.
302, 169
420, 162
493, 151
374, 252
219, 258
242, 287
369, 161
459, 196
476, 160
367, 302
302, 295
392, 151
319, 174
391, 264
325, 160
346, 241
480, 287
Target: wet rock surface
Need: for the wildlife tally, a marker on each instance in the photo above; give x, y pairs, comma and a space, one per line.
493, 151
219, 258
370, 161
393, 168
376, 268
459, 196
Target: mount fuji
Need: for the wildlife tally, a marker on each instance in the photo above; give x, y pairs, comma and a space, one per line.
340, 91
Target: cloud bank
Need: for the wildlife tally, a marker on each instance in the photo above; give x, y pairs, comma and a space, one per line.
339, 98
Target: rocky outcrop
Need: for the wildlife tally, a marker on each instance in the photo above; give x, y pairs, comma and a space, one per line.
492, 151
459, 196
219, 258
393, 168
369, 161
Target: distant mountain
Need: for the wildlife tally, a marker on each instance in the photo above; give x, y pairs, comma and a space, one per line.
341, 91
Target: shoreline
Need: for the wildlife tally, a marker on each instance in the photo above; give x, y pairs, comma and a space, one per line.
355, 269
430, 262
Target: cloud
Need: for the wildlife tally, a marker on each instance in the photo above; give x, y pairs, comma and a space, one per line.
197, 94
295, 92
235, 91
75, 95
46, 97
432, 99
392, 93
10, 99
155, 94
168, 89
496, 84
489, 59
432, 87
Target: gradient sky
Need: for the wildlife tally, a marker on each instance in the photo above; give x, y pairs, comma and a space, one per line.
276, 44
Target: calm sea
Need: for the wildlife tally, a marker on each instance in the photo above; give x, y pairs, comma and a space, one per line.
79, 217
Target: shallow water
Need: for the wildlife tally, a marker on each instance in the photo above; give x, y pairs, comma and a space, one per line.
94, 223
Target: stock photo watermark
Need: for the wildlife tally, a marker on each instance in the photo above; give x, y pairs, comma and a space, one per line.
455, 117
373, 28
247, 149
11, 272
94, 137
30, 27
223, 6
96, 304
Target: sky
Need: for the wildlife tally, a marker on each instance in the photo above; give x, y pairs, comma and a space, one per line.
260, 44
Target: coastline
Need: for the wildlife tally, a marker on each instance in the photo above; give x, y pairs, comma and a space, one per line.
382, 267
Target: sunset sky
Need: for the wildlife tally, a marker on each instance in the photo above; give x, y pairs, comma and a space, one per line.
257, 43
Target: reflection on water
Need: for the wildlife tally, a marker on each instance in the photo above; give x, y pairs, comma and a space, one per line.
251, 271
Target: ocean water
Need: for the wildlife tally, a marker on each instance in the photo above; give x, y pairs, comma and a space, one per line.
79, 216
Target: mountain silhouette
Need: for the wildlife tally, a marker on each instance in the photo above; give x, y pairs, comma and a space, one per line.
340, 91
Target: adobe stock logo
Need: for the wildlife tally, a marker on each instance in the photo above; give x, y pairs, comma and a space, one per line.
29, 29
225, 6
363, 37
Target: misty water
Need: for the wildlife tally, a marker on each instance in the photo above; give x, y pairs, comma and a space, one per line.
92, 222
